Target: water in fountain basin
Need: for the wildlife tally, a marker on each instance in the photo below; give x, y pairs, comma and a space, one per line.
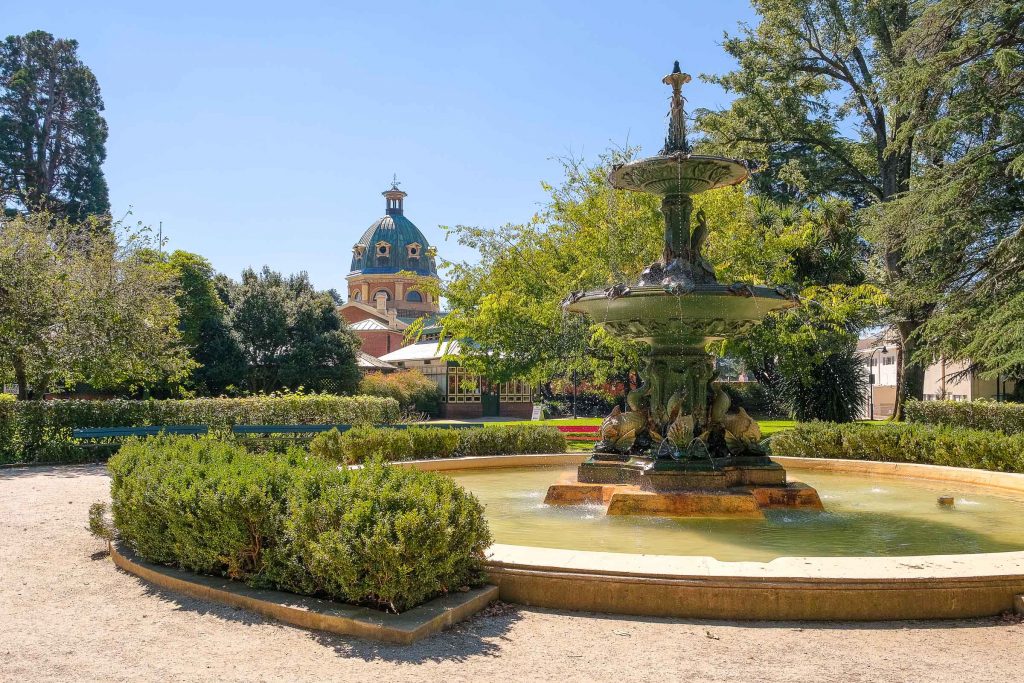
865, 516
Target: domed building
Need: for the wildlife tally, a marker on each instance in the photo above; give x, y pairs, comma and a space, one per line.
386, 295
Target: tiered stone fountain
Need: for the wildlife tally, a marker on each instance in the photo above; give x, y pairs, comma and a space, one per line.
681, 448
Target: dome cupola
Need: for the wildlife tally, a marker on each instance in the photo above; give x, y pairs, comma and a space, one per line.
393, 243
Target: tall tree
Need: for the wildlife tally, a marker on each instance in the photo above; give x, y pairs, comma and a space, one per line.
204, 326
588, 235
861, 99
103, 314
52, 136
291, 334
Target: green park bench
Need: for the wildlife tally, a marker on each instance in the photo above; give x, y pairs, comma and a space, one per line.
91, 433
109, 438
299, 431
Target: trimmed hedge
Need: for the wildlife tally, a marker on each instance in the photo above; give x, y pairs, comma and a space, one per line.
1004, 417
913, 443
40, 431
420, 443
381, 536
413, 390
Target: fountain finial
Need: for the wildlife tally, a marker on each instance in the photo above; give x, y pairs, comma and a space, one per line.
676, 139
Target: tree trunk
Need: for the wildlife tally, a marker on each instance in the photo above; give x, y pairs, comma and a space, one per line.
909, 374
21, 379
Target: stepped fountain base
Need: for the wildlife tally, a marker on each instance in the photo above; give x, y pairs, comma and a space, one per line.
741, 488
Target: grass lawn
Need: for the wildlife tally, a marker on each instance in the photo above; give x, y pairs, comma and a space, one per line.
769, 426
596, 421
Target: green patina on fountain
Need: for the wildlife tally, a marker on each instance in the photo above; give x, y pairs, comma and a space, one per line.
679, 431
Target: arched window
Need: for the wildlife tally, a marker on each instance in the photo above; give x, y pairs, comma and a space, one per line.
382, 293
414, 296
357, 295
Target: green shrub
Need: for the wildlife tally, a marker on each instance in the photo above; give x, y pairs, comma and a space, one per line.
201, 504
506, 439
363, 443
360, 444
433, 443
378, 535
390, 537
99, 525
413, 390
1004, 417
912, 443
40, 431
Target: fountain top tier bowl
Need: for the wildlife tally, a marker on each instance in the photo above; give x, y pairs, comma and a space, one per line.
679, 173
675, 171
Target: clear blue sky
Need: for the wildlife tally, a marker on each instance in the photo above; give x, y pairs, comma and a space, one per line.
264, 133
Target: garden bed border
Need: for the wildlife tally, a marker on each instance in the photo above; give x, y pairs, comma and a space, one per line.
313, 613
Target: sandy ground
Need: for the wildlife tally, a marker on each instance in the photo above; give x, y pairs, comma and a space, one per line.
66, 613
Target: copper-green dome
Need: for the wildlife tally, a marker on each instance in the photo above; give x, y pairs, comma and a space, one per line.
393, 243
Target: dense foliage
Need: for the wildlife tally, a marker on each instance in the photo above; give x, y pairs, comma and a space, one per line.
586, 402
913, 112
291, 334
40, 431
82, 305
419, 443
806, 357
754, 398
1004, 417
205, 329
509, 301
52, 135
903, 442
387, 537
413, 390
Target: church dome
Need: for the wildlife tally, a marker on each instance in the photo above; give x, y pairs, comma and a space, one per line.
393, 243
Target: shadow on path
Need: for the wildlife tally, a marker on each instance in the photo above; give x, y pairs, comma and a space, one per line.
474, 637
59, 471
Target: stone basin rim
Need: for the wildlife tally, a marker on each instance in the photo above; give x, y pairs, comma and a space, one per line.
844, 588
889, 568
715, 290
739, 168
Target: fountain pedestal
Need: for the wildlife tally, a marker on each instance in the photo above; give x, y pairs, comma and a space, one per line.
745, 501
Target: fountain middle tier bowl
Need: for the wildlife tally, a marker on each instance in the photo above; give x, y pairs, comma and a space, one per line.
670, 322
679, 174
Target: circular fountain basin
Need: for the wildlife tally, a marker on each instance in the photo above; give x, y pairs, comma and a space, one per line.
662, 319
679, 173
883, 549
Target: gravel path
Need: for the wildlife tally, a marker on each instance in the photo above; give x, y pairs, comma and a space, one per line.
67, 614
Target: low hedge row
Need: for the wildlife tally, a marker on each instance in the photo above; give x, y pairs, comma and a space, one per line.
40, 431
913, 443
419, 443
1004, 417
381, 536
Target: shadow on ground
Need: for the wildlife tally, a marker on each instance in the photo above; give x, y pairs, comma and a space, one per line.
20, 471
479, 636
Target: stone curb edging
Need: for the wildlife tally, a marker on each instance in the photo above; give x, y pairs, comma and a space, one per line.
314, 613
